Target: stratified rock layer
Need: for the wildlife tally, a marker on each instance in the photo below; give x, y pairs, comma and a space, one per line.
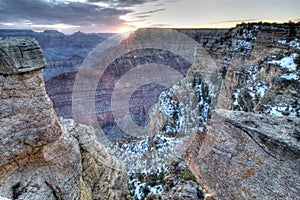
20, 55
39, 158
242, 155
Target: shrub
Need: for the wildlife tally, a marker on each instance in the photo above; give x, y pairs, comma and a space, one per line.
186, 175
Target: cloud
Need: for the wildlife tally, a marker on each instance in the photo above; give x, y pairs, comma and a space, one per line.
237, 21
75, 14
161, 25
150, 11
295, 20
143, 16
123, 3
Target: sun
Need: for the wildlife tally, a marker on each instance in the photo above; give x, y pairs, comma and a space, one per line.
125, 32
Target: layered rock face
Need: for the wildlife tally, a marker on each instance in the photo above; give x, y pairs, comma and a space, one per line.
42, 158
241, 54
240, 155
149, 57
141, 100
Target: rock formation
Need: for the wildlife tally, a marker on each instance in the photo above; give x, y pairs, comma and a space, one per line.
240, 155
40, 157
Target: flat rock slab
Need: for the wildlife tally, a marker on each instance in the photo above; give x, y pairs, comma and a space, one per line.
242, 155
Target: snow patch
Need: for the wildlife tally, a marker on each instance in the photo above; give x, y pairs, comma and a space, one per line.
235, 97
258, 89
286, 62
172, 109
290, 77
242, 44
282, 42
145, 158
284, 110
294, 43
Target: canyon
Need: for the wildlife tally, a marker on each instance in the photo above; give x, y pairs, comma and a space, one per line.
225, 127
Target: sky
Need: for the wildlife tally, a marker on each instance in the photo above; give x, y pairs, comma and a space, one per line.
71, 16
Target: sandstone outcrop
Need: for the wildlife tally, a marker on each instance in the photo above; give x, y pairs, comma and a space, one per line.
40, 157
27, 117
240, 155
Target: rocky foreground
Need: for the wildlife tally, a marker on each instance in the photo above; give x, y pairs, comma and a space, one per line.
40, 156
240, 155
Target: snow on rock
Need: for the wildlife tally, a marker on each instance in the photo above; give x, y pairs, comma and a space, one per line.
149, 154
257, 89
235, 96
294, 43
286, 62
276, 110
289, 66
150, 157
247, 37
243, 44
204, 101
172, 109
283, 110
290, 77
282, 42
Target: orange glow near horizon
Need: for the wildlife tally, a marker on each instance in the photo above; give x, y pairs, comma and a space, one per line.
126, 29
126, 34
130, 28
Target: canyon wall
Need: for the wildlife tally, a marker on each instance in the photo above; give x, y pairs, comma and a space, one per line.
239, 155
239, 54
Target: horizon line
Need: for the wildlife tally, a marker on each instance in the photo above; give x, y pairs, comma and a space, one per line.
154, 26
